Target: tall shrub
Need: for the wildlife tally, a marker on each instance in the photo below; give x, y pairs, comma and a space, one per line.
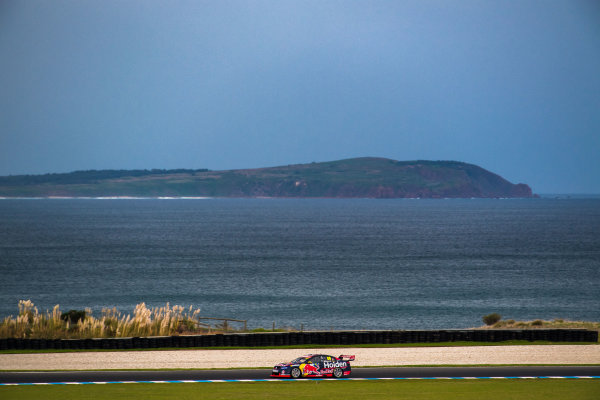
492, 318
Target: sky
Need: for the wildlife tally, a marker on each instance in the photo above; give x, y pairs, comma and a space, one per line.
512, 86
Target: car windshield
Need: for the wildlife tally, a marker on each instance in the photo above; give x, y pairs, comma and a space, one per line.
298, 360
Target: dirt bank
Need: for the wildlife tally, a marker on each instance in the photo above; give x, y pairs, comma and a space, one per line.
563, 354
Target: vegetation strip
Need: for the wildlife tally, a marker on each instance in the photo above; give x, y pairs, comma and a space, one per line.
311, 346
304, 380
365, 177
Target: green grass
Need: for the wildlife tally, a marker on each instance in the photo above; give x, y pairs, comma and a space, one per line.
414, 390
317, 346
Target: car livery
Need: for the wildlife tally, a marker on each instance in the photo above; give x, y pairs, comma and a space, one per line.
314, 366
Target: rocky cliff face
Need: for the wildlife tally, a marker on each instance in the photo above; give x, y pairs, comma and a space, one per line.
351, 178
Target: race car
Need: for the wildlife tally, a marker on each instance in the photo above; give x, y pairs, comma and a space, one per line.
314, 366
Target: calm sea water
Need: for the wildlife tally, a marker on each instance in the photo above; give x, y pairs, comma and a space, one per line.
343, 264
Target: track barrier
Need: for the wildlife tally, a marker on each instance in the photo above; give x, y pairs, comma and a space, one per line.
344, 338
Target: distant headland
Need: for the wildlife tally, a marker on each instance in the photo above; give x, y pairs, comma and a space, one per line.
366, 177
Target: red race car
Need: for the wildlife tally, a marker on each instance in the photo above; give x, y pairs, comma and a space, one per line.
314, 366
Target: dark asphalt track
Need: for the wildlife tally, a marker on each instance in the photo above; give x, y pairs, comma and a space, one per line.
407, 372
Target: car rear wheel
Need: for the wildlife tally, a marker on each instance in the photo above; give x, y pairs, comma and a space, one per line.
338, 373
295, 373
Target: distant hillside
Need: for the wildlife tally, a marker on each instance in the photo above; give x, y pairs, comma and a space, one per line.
355, 177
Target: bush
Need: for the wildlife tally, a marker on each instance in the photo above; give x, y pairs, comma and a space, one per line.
492, 318
73, 316
537, 322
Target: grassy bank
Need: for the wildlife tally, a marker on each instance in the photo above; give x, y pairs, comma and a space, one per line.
464, 390
316, 346
543, 324
30, 323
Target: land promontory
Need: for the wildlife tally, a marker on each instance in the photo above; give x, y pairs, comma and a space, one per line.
366, 177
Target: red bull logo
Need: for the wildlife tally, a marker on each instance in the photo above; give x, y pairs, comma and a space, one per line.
310, 369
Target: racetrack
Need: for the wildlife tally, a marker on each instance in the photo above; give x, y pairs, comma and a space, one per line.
251, 374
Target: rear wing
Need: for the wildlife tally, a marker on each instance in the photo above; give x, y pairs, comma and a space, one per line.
346, 357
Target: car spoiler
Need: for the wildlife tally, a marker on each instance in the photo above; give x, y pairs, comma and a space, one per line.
346, 357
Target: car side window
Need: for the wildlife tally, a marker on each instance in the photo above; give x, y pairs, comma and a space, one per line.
315, 359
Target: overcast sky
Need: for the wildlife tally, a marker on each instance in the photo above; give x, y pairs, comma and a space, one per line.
512, 86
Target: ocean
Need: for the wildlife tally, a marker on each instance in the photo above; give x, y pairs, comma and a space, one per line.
315, 263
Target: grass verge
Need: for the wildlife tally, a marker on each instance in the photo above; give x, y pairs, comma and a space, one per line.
415, 390
316, 346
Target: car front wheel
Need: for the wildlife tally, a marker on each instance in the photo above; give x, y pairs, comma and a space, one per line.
338, 373
296, 373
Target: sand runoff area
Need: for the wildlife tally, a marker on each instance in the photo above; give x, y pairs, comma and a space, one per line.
197, 359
